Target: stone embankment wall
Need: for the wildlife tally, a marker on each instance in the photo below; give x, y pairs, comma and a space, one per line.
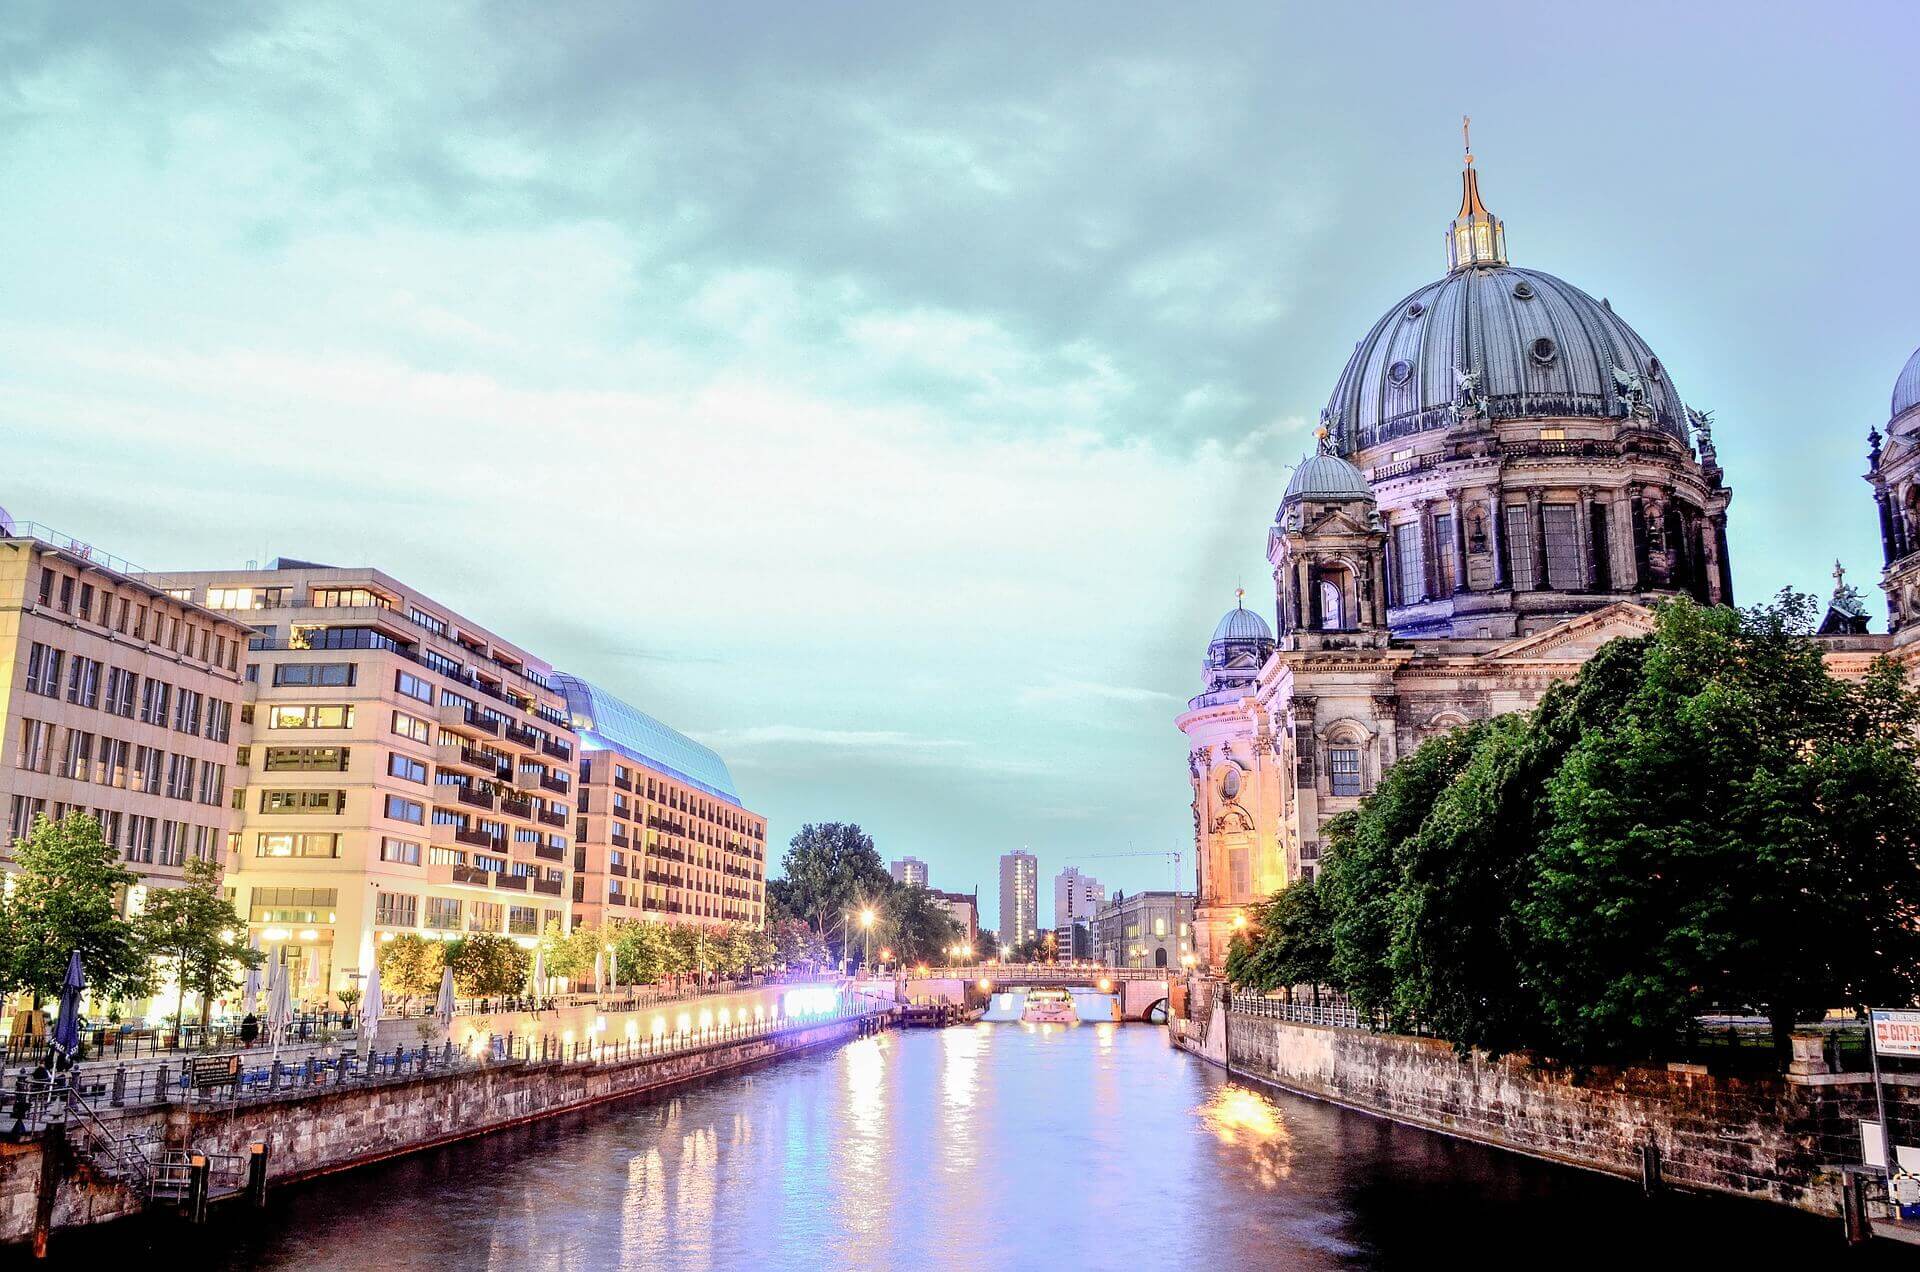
1780, 1138
317, 1130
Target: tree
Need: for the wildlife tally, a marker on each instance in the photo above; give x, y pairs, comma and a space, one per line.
986, 945
797, 945
571, 954
410, 967
1741, 830
916, 926
66, 883
194, 931
1288, 943
487, 965
830, 869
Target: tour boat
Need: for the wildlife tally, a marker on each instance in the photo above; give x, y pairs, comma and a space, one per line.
1049, 1007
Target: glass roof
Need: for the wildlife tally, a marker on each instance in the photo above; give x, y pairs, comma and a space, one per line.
606, 723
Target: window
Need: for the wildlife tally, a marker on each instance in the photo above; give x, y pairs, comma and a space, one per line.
348, 598
1410, 565
121, 688
79, 761
291, 845
213, 783
484, 916
1343, 770
406, 810
403, 851
186, 714
523, 920
438, 626
395, 909
1563, 548
1443, 547
1520, 547
443, 913
146, 764
219, 720
414, 687
43, 670
411, 727
285, 802
406, 768
36, 746
332, 675
180, 777
310, 718
240, 598
83, 682
1333, 613
293, 905
306, 759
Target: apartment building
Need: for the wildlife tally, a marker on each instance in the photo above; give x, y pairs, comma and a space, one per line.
661, 832
1076, 896
1147, 929
1019, 898
965, 909
119, 701
909, 870
402, 769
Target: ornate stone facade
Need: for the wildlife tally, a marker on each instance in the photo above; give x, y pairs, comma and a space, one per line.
1506, 480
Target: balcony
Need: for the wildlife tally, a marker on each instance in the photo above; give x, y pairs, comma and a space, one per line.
547, 852
515, 806
475, 796
616, 898
549, 886
614, 867
619, 841
516, 882
521, 736
455, 716
454, 872
558, 750
547, 817
478, 839
523, 779
557, 784
623, 783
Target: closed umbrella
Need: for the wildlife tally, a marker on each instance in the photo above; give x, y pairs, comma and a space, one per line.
444, 1008
66, 1031
251, 991
539, 976
599, 972
370, 1010
279, 1002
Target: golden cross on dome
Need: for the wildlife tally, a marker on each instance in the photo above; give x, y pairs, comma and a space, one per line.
1466, 137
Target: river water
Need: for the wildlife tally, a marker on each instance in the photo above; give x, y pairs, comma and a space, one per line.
988, 1146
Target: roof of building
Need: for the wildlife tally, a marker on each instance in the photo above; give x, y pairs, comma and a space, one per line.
604, 722
1906, 390
1326, 476
1241, 623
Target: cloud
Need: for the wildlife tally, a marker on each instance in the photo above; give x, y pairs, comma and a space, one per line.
1071, 691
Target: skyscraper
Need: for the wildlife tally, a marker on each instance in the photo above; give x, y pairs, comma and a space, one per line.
1019, 898
1075, 896
910, 870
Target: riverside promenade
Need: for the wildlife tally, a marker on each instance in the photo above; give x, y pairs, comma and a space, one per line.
86, 1160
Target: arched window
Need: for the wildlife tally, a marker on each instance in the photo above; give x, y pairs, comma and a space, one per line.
1333, 609
1160, 956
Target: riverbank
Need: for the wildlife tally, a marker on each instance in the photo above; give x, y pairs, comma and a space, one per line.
319, 1130
1782, 1138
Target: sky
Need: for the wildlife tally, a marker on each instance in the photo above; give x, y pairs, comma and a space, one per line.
893, 396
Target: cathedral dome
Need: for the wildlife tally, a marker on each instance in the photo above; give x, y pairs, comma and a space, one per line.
1326, 476
1242, 624
1541, 348
1906, 390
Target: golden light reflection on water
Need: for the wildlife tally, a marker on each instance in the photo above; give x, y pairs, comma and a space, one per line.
1254, 1127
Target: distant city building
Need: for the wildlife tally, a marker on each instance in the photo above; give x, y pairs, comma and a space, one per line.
402, 770
661, 832
1019, 898
965, 909
118, 698
1073, 940
910, 870
1147, 929
1075, 896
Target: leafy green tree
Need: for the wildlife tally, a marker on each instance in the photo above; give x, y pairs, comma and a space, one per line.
831, 870
641, 946
797, 945
487, 965
571, 954
410, 967
1288, 943
1741, 829
66, 885
194, 932
915, 926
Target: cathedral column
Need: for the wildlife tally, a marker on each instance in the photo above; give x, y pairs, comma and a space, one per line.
1538, 519
1642, 563
1583, 535
1725, 571
1497, 513
1430, 564
1459, 545
1709, 561
1886, 525
1621, 539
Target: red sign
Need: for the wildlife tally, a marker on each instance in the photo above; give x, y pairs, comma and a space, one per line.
1896, 1033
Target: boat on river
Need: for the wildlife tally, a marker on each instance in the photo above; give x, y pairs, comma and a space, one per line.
1049, 1007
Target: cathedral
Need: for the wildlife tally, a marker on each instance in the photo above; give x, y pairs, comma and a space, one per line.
1506, 478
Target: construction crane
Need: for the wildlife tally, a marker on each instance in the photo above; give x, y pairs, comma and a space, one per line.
1172, 857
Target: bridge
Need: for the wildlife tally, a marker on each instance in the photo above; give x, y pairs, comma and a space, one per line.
1140, 989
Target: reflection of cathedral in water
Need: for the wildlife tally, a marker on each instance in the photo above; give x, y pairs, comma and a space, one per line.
1506, 477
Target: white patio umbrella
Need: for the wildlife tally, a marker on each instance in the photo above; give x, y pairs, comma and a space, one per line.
370, 1006
279, 1002
251, 991
443, 1009
613, 967
599, 972
539, 977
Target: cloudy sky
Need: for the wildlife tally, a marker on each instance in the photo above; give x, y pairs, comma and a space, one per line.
893, 395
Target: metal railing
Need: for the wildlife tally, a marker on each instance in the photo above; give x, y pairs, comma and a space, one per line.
1296, 1013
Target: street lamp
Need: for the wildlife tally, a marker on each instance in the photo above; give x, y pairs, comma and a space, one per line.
866, 921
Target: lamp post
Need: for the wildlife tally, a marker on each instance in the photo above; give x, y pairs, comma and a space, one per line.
866, 922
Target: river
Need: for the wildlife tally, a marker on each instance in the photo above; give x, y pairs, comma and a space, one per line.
988, 1146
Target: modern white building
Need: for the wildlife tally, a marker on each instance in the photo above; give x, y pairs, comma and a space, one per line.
1019, 898
1075, 896
910, 870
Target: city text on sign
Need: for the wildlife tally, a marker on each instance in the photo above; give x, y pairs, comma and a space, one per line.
1896, 1033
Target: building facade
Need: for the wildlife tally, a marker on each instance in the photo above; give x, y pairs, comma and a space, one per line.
121, 701
1075, 896
910, 870
965, 909
1019, 899
401, 770
1147, 929
660, 833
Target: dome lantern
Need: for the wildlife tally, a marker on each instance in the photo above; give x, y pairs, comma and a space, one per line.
1477, 236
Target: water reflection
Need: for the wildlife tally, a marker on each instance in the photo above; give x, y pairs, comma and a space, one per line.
982, 1147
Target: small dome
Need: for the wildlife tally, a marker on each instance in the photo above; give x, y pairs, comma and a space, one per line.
1327, 476
1242, 624
1906, 390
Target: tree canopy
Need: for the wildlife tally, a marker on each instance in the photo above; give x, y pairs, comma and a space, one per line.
194, 932
67, 883
1704, 818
